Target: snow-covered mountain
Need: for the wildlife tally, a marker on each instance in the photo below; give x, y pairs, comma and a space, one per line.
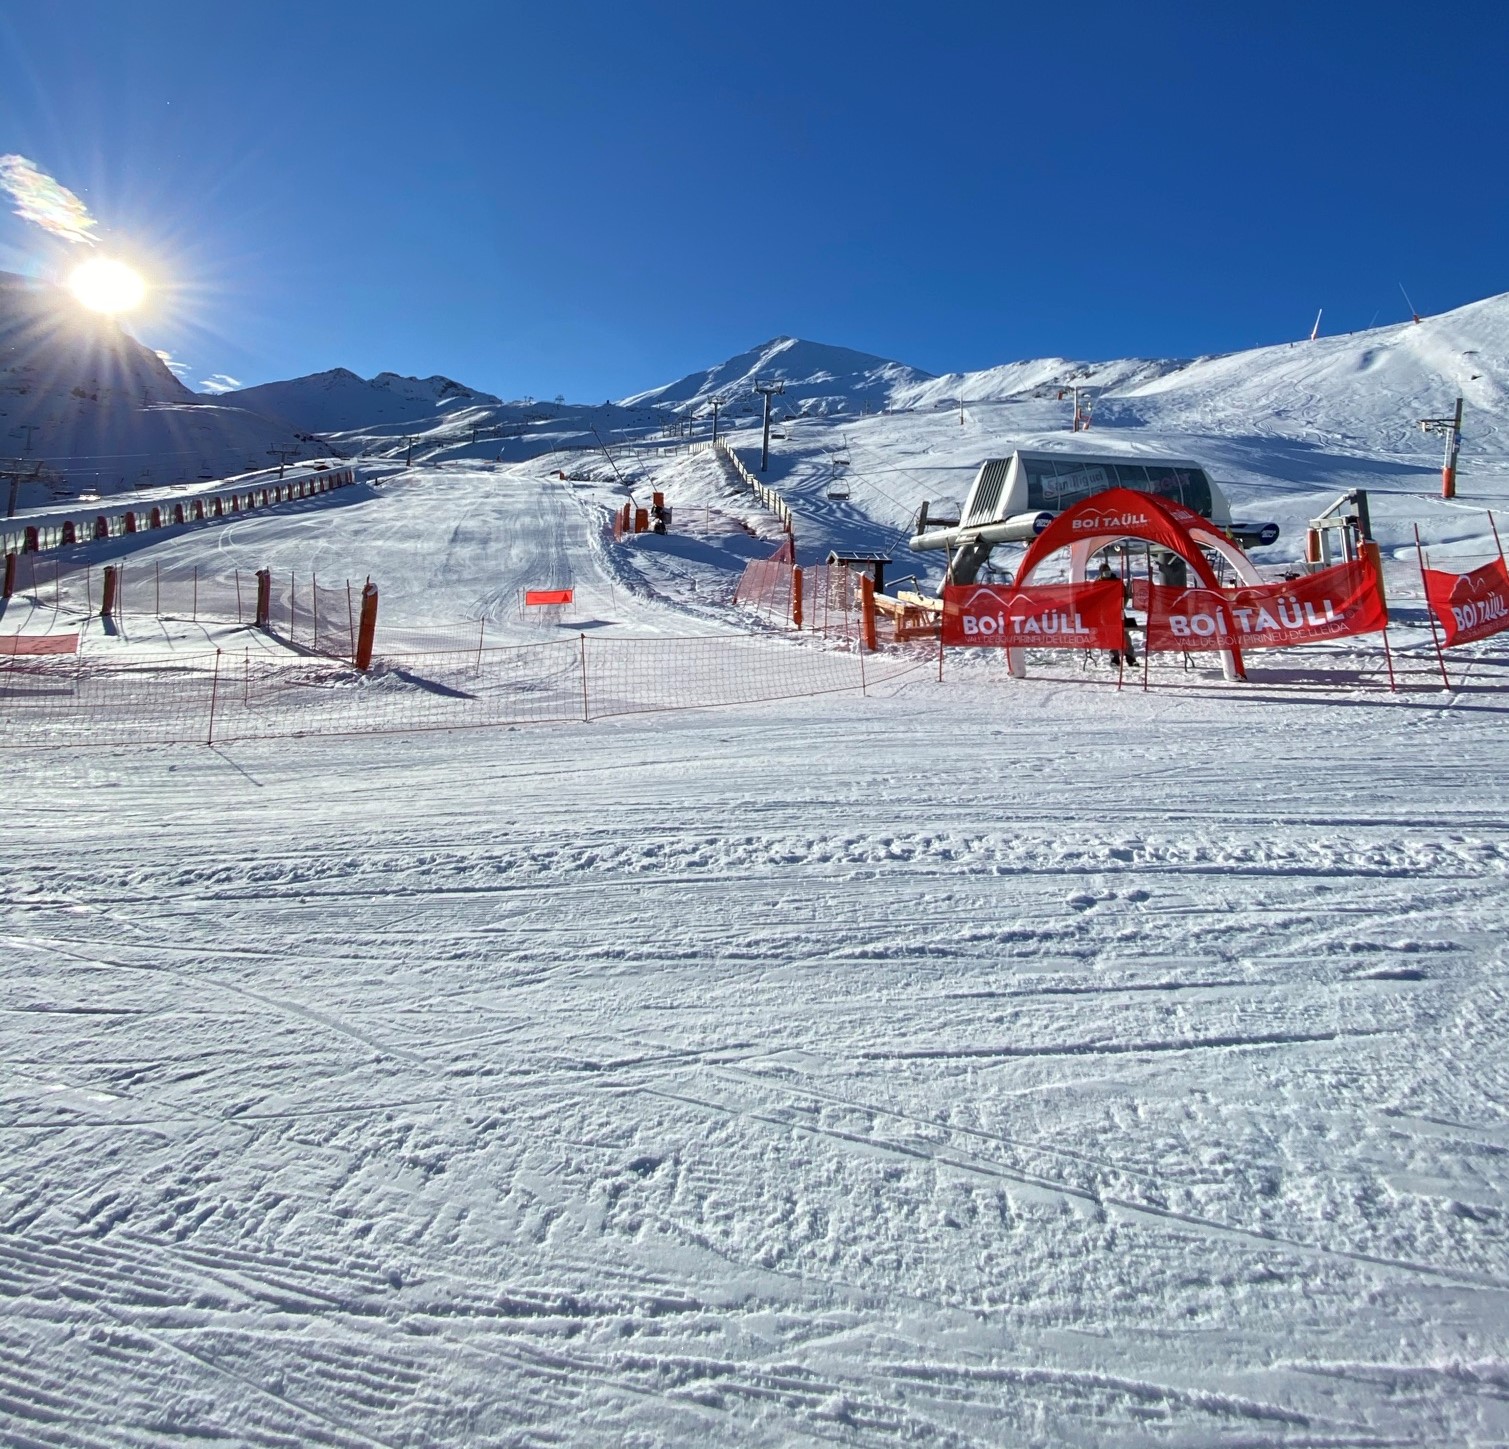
102, 411
1364, 389
338, 401
819, 379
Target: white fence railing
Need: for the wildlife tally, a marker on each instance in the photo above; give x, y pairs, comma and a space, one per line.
767, 495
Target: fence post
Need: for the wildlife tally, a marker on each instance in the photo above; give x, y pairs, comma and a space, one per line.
107, 601
867, 611
10, 575
209, 738
367, 629
586, 708
264, 600
796, 597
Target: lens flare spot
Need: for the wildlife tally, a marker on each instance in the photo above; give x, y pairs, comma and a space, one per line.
106, 285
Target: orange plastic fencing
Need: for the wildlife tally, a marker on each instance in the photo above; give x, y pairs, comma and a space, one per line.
147, 590
304, 612
310, 615
765, 588
830, 597
225, 697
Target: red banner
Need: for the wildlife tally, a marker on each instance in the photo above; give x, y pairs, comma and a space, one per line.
1470, 606
1331, 604
1041, 616
547, 596
39, 643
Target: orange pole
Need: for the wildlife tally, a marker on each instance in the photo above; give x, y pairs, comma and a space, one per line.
366, 632
867, 611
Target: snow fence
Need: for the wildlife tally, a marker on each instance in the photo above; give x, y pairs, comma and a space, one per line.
222, 696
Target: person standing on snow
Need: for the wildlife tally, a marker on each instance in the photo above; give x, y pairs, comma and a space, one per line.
1114, 658
1103, 575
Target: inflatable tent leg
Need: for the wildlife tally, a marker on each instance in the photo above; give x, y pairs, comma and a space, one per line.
1016, 663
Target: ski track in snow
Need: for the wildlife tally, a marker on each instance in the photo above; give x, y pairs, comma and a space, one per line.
621, 1083
990, 1063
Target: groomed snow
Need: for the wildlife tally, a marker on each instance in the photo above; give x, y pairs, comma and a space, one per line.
983, 1062
1091, 1069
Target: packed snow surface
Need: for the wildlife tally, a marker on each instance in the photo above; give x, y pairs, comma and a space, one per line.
977, 1062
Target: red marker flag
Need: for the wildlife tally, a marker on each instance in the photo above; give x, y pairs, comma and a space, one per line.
547, 596
1469, 606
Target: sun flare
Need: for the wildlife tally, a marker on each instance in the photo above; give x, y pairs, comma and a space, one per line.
106, 285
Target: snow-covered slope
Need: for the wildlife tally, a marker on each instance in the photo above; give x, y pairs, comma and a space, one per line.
1369, 388
102, 411
818, 379
1359, 390
339, 401
1036, 377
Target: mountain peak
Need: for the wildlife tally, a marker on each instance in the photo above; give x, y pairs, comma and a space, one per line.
818, 378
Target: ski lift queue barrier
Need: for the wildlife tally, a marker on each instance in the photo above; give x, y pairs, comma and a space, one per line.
202, 507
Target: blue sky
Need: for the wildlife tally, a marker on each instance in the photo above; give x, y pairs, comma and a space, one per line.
591, 199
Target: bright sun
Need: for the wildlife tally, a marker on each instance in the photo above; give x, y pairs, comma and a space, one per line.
105, 285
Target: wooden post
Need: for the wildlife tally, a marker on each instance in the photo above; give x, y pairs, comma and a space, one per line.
107, 603
209, 738
10, 575
264, 600
796, 596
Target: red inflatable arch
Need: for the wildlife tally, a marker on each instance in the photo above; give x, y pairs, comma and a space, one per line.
1118, 513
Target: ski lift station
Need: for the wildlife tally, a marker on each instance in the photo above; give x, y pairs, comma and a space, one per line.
1013, 499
